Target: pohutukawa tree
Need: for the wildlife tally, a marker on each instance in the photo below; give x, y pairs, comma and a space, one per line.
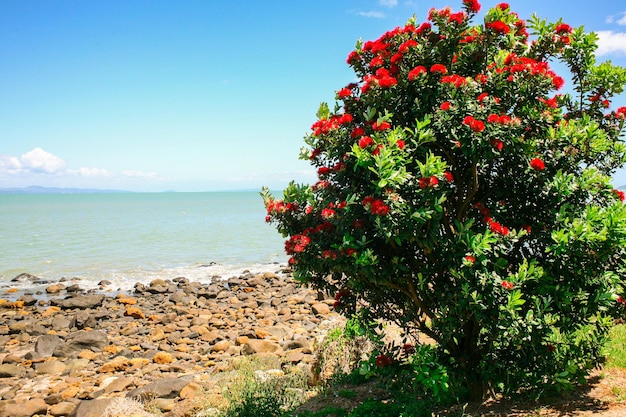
465, 195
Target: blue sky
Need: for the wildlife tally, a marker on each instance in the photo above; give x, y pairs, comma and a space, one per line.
197, 95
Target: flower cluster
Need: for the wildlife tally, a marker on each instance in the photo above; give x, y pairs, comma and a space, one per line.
375, 206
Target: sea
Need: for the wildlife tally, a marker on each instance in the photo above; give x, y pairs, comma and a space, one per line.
126, 238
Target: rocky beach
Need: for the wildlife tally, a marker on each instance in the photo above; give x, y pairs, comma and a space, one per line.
70, 352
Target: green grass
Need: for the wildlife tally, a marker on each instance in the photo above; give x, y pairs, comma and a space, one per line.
615, 348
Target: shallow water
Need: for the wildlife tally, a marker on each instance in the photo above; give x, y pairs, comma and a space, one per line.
135, 237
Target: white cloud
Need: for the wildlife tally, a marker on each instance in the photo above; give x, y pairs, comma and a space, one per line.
92, 172
611, 42
10, 164
374, 14
620, 19
139, 174
388, 3
39, 160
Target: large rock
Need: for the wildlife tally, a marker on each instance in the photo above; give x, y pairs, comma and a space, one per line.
163, 388
93, 340
261, 346
47, 343
28, 409
80, 301
92, 408
8, 370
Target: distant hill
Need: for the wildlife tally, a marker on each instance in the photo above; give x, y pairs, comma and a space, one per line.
35, 189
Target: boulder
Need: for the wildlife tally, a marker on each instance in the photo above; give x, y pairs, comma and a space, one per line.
162, 388
80, 301
27, 409
46, 344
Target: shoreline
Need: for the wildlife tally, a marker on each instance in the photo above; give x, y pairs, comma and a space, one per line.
71, 350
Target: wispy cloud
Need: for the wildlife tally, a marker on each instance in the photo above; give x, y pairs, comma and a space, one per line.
388, 3
611, 42
373, 14
139, 174
92, 172
619, 18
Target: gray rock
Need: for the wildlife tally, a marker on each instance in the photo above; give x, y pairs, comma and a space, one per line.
8, 370
94, 340
47, 343
163, 388
91, 408
27, 409
28, 300
80, 301
50, 368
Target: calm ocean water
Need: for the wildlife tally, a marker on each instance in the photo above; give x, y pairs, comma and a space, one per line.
135, 237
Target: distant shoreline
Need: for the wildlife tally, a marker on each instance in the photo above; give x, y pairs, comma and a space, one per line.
36, 189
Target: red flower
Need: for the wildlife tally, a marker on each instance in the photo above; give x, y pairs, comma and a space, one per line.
620, 113
470, 259
445, 106
457, 18
558, 82
328, 213
503, 6
537, 164
416, 72
428, 182
499, 26
507, 285
344, 92
474, 124
383, 360
400, 144
497, 144
381, 126
365, 141
321, 171
357, 132
496, 227
563, 28
378, 208
439, 68
482, 96
551, 348
619, 194
329, 254
449, 176
455, 79
472, 5
296, 244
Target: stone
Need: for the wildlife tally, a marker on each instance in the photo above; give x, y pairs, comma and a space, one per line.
61, 409
80, 301
119, 363
134, 312
55, 288
116, 384
162, 388
320, 309
51, 368
27, 409
47, 343
163, 358
221, 346
94, 340
8, 370
260, 346
92, 408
